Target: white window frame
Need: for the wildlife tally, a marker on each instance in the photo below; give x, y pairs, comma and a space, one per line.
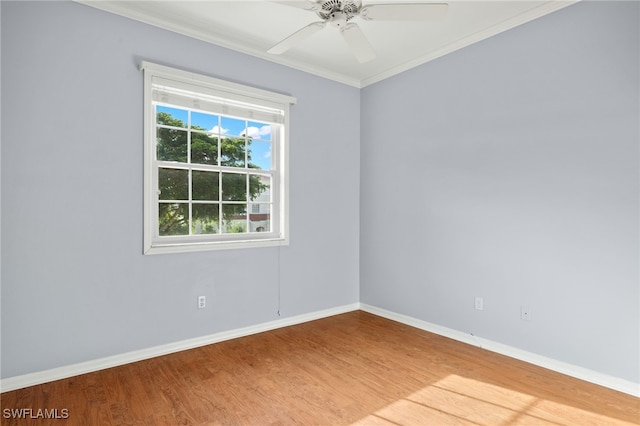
219, 97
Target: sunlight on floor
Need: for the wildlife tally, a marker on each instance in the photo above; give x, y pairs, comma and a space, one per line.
457, 400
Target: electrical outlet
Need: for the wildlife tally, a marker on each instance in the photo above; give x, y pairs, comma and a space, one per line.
202, 302
479, 303
525, 313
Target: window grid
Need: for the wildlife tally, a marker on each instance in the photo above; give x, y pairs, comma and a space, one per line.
245, 171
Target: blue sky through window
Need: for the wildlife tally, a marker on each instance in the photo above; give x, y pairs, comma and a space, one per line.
261, 154
179, 114
205, 121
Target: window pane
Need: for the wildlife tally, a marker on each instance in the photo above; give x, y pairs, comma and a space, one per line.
259, 131
173, 219
233, 151
206, 219
260, 218
259, 155
175, 117
205, 186
204, 149
232, 126
234, 187
171, 145
234, 218
173, 184
259, 188
204, 122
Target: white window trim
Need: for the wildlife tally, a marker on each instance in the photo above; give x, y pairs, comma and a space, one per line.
153, 244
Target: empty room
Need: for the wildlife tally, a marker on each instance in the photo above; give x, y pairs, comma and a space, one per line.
320, 212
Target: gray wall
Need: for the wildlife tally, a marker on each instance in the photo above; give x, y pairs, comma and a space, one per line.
509, 170
75, 285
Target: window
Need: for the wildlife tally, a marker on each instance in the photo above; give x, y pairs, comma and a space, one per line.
216, 163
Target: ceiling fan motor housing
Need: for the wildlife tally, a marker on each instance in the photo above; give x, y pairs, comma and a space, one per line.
338, 12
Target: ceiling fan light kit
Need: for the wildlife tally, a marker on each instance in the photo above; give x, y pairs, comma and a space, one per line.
338, 13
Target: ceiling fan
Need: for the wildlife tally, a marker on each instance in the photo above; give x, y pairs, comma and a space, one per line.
339, 13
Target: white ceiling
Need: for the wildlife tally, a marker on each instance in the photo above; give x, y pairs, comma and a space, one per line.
253, 26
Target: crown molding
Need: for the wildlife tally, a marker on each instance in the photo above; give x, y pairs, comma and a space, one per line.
167, 22
503, 26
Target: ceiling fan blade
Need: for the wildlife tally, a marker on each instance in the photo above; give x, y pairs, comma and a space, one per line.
358, 43
405, 12
296, 37
300, 4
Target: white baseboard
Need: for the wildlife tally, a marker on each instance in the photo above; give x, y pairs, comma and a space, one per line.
31, 379
581, 373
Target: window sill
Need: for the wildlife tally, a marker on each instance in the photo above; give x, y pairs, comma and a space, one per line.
182, 247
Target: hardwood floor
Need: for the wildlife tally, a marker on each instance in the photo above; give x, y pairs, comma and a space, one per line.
354, 368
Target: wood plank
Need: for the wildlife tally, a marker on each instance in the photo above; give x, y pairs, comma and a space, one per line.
354, 368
